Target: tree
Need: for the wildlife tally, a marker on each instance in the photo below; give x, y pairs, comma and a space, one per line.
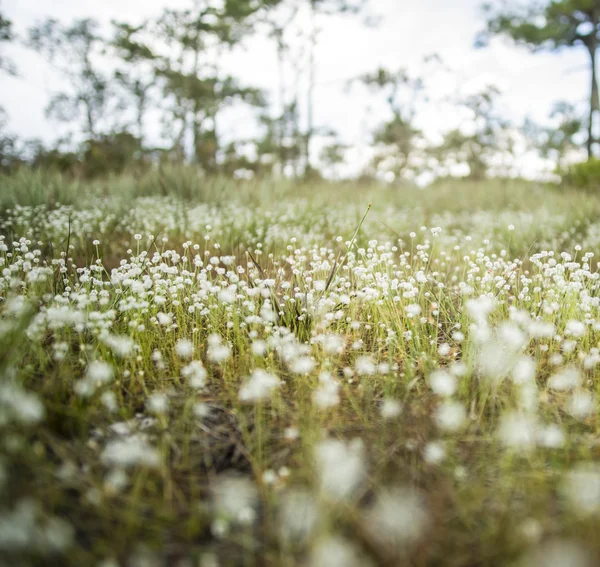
320, 7
191, 77
136, 73
6, 35
560, 138
556, 25
483, 140
396, 141
71, 49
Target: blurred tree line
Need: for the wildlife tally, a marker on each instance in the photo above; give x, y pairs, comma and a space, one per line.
168, 70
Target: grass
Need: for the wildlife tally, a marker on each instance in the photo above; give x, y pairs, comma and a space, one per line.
201, 372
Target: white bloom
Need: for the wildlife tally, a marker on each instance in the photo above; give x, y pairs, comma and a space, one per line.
567, 379
518, 431
235, 498
164, 319
99, 372
334, 551
340, 467
442, 383
551, 437
581, 487
130, 452
326, 395
575, 328
258, 386
302, 365
158, 403
364, 366
450, 416
195, 374
217, 351
390, 409
184, 348
434, 452
581, 404
259, 348
398, 517
524, 370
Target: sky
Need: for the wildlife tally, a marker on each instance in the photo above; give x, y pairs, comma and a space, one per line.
408, 30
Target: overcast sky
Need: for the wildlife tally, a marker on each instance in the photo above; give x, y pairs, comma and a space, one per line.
408, 30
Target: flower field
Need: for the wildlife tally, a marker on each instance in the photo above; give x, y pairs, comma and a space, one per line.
264, 375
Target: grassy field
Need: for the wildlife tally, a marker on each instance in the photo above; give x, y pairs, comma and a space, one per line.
217, 373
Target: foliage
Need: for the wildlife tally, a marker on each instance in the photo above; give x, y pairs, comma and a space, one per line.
555, 25
72, 50
584, 175
488, 136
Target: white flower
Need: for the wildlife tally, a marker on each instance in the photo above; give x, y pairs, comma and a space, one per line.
217, 351
581, 404
518, 431
450, 416
195, 374
442, 383
164, 319
259, 348
434, 453
326, 395
99, 372
184, 348
524, 370
158, 403
551, 437
390, 409
567, 379
581, 487
334, 551
575, 328
413, 310
130, 452
364, 366
235, 498
398, 517
340, 467
258, 386
302, 365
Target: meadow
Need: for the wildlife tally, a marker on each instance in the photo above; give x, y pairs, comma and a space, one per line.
229, 373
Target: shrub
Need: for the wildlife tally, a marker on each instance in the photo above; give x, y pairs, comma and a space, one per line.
584, 175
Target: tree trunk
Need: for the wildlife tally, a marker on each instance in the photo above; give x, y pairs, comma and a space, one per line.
594, 99
281, 122
311, 88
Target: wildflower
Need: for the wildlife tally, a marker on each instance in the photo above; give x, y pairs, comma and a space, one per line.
567, 379
581, 404
581, 488
398, 517
195, 374
302, 365
390, 409
99, 372
434, 453
450, 416
364, 366
130, 452
184, 348
517, 431
340, 467
217, 351
442, 383
258, 386
327, 394
158, 403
